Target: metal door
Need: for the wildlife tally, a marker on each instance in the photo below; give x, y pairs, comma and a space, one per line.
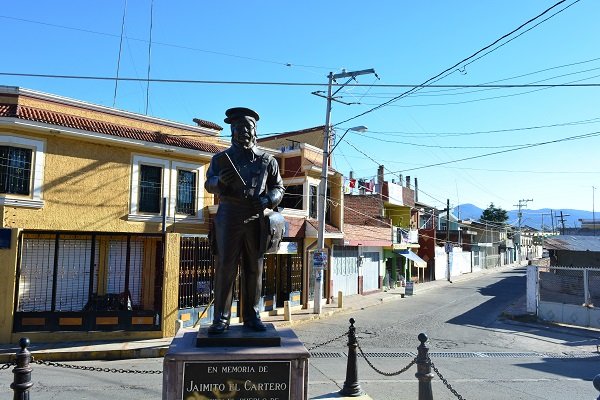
370, 270
344, 270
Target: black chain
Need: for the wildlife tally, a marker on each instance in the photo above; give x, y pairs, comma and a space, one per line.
95, 369
413, 362
329, 341
7, 365
445, 382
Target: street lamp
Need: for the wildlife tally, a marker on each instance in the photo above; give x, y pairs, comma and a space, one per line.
360, 128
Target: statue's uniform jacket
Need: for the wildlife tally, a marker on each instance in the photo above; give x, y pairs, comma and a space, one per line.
237, 231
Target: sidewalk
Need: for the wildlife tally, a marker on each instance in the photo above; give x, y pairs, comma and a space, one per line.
151, 348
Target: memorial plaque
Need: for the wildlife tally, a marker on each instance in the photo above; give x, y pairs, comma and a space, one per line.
236, 380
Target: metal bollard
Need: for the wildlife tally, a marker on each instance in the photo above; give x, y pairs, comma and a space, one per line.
22, 380
351, 386
596, 382
424, 374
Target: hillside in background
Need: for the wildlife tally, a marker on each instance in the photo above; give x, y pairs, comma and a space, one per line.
533, 218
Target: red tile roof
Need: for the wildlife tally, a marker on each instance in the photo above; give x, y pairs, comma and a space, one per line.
87, 124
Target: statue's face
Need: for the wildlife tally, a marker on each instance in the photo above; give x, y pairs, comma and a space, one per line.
243, 133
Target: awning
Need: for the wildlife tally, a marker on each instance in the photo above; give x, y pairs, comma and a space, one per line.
419, 262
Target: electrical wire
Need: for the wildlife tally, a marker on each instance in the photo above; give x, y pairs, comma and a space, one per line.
577, 137
481, 99
282, 83
519, 129
521, 147
149, 56
285, 64
441, 92
119, 54
426, 83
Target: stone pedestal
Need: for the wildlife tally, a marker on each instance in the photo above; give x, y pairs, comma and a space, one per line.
223, 370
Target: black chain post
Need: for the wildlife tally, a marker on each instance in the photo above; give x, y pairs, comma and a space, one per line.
22, 381
424, 374
351, 386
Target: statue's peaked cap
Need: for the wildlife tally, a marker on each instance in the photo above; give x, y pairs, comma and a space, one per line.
240, 112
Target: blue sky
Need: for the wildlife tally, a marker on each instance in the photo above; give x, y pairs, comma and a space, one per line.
406, 43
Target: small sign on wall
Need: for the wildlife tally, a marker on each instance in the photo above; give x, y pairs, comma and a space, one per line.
5, 238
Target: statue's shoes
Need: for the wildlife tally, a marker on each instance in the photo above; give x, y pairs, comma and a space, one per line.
218, 327
255, 325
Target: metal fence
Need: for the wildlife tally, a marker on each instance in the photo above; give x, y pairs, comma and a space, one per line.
196, 272
570, 285
63, 271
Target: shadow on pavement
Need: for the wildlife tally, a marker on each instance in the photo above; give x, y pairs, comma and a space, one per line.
503, 295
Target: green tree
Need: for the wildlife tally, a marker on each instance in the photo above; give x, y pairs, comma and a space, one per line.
494, 214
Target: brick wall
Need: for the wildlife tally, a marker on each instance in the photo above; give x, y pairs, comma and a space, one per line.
364, 210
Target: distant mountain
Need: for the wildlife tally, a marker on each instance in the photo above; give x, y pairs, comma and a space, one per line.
533, 218
467, 211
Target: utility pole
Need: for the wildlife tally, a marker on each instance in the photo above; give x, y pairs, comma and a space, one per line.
448, 245
522, 203
320, 253
562, 221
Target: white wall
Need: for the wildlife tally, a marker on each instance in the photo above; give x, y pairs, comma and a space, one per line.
460, 263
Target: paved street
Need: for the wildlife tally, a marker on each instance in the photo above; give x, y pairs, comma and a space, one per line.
462, 323
480, 354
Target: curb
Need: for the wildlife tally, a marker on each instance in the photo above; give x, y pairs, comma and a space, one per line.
82, 355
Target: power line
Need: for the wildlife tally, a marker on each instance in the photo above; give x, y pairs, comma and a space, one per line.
438, 94
486, 98
446, 147
426, 92
119, 54
576, 137
285, 64
272, 83
436, 134
525, 31
149, 55
444, 92
584, 136
426, 83
486, 169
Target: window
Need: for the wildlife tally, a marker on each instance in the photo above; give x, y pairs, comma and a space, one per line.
313, 201
186, 192
153, 179
21, 171
15, 170
150, 180
150, 188
292, 198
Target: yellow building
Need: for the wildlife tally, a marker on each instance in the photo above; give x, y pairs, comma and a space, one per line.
93, 201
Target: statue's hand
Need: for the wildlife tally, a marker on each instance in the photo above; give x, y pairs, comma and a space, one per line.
261, 203
227, 177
